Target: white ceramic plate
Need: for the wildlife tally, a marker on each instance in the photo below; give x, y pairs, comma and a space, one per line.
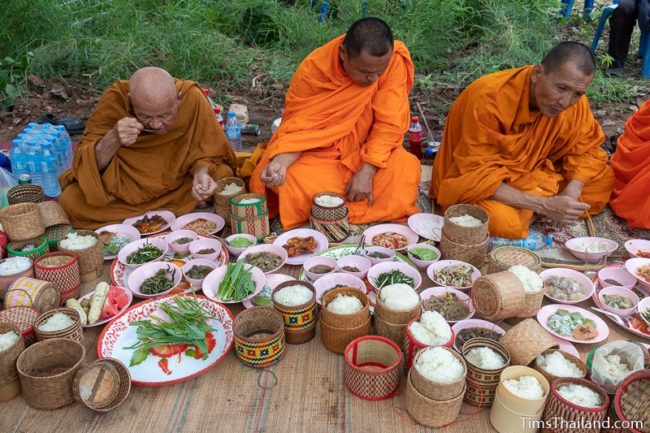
321, 241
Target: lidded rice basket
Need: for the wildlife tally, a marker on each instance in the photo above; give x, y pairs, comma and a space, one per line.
331, 221
473, 254
338, 330
25, 194
22, 221
259, 337
30, 292
91, 259
498, 296
430, 412
300, 320
482, 382
526, 340
557, 407
222, 200
62, 270
462, 234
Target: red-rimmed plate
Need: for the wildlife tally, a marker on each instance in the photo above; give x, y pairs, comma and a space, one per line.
129, 297
321, 243
547, 311
184, 220
168, 216
181, 367
410, 236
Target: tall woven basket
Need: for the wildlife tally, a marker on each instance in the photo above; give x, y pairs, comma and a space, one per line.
73, 332
222, 200
470, 253
503, 258
334, 231
22, 221
47, 370
62, 270
532, 304
259, 337
558, 408
571, 358
7, 280
299, 321
632, 400
430, 412
396, 332
482, 383
25, 194
338, 330
372, 368
91, 259
434, 390
465, 235
526, 340
498, 296
30, 292
52, 214
326, 213
412, 346
9, 382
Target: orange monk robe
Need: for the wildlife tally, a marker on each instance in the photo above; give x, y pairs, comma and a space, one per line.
492, 136
631, 164
153, 173
338, 126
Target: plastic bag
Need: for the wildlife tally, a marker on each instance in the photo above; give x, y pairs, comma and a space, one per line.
602, 370
7, 181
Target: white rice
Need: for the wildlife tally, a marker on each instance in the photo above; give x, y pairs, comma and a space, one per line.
14, 265
556, 364
592, 247
580, 395
292, 296
329, 201
399, 297
75, 241
485, 358
527, 387
7, 340
466, 221
345, 304
531, 280
230, 189
617, 368
249, 201
57, 322
439, 366
431, 330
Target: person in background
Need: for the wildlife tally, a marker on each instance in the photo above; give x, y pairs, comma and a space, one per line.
621, 26
151, 143
523, 142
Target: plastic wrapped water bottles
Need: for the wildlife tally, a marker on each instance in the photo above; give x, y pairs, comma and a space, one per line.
233, 132
535, 241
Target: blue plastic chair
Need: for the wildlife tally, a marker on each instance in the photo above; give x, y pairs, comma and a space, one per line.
568, 6
644, 46
325, 9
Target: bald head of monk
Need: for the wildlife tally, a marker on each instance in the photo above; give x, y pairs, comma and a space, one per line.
366, 50
562, 78
154, 99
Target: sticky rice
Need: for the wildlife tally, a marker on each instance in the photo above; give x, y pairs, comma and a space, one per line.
230, 189
57, 322
580, 395
531, 280
75, 241
329, 201
466, 221
345, 304
556, 364
527, 387
7, 340
439, 366
399, 297
14, 265
293, 296
431, 330
485, 358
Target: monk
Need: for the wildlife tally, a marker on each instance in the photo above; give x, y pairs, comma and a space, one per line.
151, 143
523, 142
631, 164
342, 130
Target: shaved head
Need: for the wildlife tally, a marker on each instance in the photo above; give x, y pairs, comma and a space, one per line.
569, 51
154, 98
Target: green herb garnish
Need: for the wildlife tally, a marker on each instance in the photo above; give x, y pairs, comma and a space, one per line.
159, 282
144, 254
237, 284
393, 277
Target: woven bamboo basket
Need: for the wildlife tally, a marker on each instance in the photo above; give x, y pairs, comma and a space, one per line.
91, 259
259, 337
53, 214
574, 359
17, 248
413, 346
25, 194
30, 292
325, 213
372, 368
632, 400
353, 320
299, 321
470, 253
398, 317
244, 211
526, 340
102, 385
532, 304
461, 234
7, 280
482, 383
438, 391
334, 231
223, 200
9, 381
60, 269
55, 233
22, 221
73, 332
396, 332
430, 412
23, 318
47, 371
503, 258
337, 339
498, 296
257, 226
559, 408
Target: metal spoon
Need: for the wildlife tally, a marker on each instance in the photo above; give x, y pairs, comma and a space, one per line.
617, 319
360, 250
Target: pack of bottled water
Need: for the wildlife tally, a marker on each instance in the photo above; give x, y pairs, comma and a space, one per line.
43, 151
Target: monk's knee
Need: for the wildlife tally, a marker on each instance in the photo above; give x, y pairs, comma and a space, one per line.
505, 221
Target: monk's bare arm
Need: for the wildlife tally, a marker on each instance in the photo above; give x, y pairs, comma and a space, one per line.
518, 199
124, 133
275, 171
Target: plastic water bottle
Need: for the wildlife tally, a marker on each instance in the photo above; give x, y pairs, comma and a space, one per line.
18, 158
233, 132
51, 186
34, 163
64, 146
415, 137
534, 241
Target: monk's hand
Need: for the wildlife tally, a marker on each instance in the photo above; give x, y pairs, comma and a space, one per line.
360, 185
203, 186
275, 172
127, 130
562, 209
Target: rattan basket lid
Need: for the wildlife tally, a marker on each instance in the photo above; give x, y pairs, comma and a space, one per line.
507, 256
52, 214
632, 399
22, 317
526, 340
102, 385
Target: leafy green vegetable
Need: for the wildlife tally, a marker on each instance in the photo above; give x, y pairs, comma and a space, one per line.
160, 282
237, 284
393, 277
144, 254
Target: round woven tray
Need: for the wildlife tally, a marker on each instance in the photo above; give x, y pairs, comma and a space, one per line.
482, 383
526, 340
22, 221
559, 408
259, 337
41, 246
102, 385
470, 253
53, 214
25, 194
465, 235
372, 368
632, 399
430, 412
9, 382
23, 318
73, 332
503, 258
498, 296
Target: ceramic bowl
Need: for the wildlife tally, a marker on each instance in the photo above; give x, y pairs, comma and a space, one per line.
270, 248
132, 247
644, 305
179, 234
236, 251
441, 264
636, 246
197, 282
633, 265
441, 291
423, 264
381, 268
585, 283
390, 254
363, 264
329, 281
618, 274
148, 270
578, 247
318, 260
213, 280
205, 244
615, 290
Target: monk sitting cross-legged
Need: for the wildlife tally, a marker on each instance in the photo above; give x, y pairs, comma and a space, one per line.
151, 143
524, 141
342, 130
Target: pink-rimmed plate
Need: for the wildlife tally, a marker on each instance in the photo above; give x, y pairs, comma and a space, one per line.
634, 246
410, 235
129, 297
272, 281
474, 323
566, 346
442, 264
547, 311
184, 220
181, 367
212, 281
427, 225
328, 282
441, 291
120, 230
321, 241
165, 214
633, 265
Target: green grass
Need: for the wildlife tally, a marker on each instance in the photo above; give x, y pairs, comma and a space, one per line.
225, 44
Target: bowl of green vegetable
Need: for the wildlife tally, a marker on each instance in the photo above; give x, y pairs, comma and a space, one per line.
196, 270
423, 255
234, 282
142, 251
388, 273
237, 243
179, 240
154, 279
